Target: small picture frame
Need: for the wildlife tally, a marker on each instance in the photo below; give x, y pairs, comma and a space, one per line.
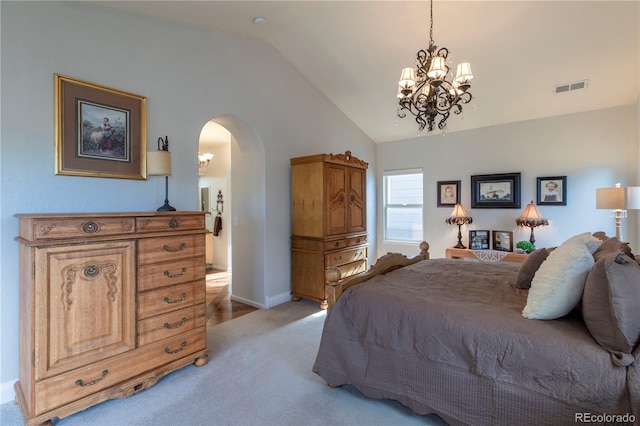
479, 240
495, 191
99, 131
552, 191
448, 193
502, 240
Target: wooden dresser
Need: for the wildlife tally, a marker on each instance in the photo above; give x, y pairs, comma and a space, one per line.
328, 221
109, 303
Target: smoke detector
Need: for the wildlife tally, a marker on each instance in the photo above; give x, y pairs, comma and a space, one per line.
569, 87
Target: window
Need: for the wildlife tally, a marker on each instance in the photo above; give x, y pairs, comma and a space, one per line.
403, 205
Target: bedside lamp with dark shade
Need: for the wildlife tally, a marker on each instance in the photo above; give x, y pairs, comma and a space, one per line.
531, 218
159, 164
459, 217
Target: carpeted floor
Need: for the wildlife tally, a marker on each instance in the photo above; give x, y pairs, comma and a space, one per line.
259, 373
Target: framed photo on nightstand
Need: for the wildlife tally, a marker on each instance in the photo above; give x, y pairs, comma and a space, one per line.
479, 240
502, 240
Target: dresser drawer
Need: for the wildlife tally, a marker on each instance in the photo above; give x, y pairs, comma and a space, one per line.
78, 227
170, 273
345, 242
169, 299
83, 382
163, 326
168, 248
352, 268
345, 256
170, 222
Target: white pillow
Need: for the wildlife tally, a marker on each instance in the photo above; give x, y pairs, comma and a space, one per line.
558, 284
587, 239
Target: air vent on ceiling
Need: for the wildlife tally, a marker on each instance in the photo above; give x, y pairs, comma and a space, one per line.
576, 85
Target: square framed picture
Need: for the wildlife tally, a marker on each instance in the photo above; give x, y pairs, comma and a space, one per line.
495, 191
448, 193
502, 240
551, 190
99, 132
479, 240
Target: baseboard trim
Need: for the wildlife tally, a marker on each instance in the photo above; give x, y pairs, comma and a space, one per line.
247, 302
279, 299
7, 391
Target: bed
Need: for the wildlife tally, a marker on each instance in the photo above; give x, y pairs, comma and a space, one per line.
450, 337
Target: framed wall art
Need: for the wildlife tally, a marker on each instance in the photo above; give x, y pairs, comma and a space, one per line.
479, 240
448, 193
495, 191
502, 240
552, 191
99, 132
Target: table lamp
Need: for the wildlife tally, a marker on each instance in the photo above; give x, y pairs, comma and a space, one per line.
618, 199
531, 218
159, 164
459, 217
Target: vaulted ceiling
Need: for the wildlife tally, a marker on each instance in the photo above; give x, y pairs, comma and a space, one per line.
353, 51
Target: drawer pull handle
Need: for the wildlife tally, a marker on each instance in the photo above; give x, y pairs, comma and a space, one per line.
90, 227
174, 223
176, 325
182, 297
174, 250
79, 382
175, 351
179, 274
337, 244
337, 258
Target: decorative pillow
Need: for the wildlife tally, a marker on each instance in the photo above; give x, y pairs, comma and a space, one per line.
529, 267
609, 246
587, 239
557, 286
610, 303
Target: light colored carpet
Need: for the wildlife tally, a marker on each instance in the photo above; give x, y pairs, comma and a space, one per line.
259, 373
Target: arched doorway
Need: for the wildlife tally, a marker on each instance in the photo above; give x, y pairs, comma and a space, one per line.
243, 219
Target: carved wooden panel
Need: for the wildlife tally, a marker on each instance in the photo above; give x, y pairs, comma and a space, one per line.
88, 307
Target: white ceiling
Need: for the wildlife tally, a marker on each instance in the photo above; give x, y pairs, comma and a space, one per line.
353, 51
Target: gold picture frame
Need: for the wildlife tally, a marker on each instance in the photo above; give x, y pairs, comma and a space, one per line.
99, 131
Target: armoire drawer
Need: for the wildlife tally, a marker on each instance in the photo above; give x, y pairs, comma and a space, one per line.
168, 248
352, 268
163, 326
76, 384
345, 256
170, 273
345, 242
169, 299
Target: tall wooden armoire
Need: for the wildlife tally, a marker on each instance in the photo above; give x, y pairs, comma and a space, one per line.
328, 221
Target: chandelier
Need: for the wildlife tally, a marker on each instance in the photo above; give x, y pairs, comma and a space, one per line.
204, 159
428, 91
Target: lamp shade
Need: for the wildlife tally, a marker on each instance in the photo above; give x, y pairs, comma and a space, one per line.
531, 217
458, 216
159, 163
611, 198
407, 78
438, 69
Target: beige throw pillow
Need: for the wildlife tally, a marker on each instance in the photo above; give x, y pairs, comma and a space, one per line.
557, 286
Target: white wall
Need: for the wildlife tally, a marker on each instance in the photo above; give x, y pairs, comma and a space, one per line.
189, 76
593, 149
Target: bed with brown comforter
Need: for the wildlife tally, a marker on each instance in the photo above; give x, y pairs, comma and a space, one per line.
448, 336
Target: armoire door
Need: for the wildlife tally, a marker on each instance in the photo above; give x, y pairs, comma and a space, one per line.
336, 199
357, 204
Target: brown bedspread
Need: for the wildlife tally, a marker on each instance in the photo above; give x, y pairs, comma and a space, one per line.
448, 337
